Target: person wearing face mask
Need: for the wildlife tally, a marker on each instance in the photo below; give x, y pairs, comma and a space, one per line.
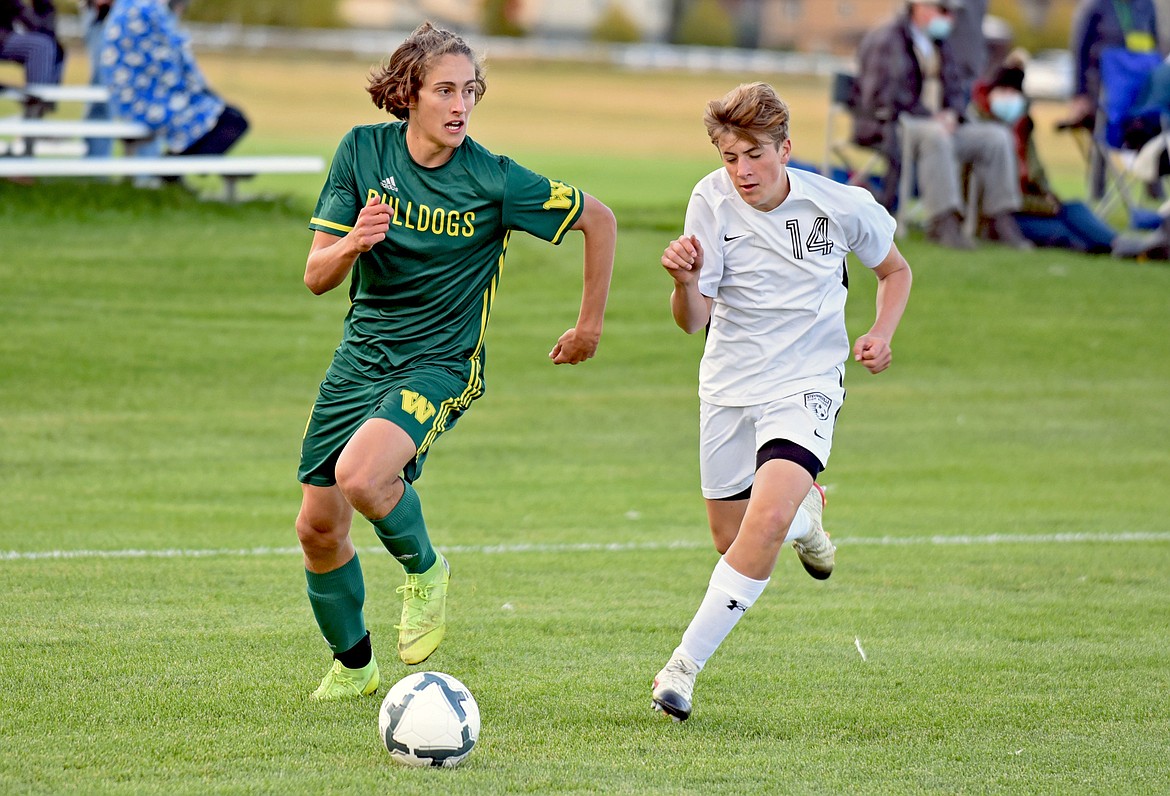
1043, 218
910, 84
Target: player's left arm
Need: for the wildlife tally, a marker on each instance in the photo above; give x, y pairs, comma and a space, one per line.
872, 349
598, 225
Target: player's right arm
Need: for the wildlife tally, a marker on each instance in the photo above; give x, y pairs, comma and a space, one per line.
683, 259
332, 257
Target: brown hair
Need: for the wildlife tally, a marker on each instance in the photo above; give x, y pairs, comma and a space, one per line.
395, 84
751, 111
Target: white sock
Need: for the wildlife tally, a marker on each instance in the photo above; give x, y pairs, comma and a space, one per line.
728, 596
801, 525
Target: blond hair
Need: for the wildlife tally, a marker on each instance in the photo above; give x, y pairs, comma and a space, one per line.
395, 84
751, 111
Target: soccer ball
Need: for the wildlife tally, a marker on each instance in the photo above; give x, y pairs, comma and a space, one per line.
429, 719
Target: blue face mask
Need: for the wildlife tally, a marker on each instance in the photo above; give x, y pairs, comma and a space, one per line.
1009, 108
939, 28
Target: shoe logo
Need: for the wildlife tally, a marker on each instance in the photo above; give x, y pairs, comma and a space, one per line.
736, 605
389, 184
818, 403
729, 238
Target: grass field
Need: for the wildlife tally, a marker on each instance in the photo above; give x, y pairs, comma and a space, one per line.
998, 622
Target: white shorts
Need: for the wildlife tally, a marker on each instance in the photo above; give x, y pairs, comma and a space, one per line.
729, 436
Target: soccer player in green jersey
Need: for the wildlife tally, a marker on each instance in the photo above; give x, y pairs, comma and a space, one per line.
417, 215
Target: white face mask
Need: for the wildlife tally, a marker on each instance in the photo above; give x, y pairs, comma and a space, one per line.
1009, 108
939, 28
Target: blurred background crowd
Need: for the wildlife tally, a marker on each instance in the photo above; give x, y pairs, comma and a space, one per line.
966, 73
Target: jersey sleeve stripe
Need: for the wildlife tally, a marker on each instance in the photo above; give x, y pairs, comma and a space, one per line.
323, 223
570, 218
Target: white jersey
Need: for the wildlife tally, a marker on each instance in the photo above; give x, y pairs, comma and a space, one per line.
778, 282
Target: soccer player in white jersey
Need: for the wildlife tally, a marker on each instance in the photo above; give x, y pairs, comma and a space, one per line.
761, 266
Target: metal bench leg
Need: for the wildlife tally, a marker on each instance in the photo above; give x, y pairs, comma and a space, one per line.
971, 217
906, 179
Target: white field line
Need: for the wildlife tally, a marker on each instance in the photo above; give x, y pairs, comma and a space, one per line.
610, 547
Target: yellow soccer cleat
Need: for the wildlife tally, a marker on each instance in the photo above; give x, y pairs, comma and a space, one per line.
343, 683
424, 612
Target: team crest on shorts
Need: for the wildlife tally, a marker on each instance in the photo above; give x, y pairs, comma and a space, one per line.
818, 403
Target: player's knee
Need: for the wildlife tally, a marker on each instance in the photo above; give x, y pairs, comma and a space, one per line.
357, 485
774, 524
318, 532
372, 493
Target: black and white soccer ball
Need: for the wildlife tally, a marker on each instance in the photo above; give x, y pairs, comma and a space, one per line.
429, 719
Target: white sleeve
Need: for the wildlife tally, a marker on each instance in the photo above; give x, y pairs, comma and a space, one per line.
869, 228
701, 223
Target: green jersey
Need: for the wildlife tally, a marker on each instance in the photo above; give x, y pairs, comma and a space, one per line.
424, 294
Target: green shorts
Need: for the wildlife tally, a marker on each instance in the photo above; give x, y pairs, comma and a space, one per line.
424, 401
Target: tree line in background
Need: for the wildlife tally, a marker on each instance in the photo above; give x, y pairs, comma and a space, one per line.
278, 13
699, 22
1037, 24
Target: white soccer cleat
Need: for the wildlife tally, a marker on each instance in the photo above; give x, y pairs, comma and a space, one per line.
815, 550
673, 687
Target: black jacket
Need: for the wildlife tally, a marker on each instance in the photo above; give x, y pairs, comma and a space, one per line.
889, 83
40, 18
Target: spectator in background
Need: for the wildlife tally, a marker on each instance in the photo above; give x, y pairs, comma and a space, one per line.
910, 84
1100, 24
93, 19
968, 42
148, 65
1043, 218
28, 36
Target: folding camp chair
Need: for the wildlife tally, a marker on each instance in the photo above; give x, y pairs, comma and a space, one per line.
1111, 147
845, 160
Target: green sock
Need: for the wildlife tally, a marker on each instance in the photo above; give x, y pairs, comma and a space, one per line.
337, 598
404, 533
